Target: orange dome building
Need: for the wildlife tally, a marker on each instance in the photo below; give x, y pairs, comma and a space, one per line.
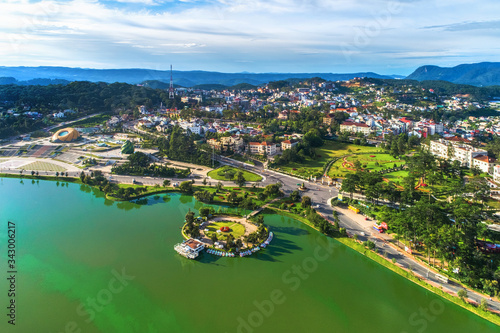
65, 135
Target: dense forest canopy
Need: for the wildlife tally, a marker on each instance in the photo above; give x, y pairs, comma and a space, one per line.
83, 97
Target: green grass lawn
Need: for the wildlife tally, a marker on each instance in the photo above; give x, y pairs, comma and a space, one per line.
493, 204
330, 150
396, 175
217, 174
384, 160
236, 229
370, 163
89, 122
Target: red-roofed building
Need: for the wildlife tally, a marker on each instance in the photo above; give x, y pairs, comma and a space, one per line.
328, 119
484, 163
283, 115
288, 144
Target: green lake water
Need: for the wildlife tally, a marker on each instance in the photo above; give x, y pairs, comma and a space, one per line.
85, 264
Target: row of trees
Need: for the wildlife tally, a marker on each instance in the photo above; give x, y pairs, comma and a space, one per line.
440, 177
446, 229
139, 165
96, 178
448, 232
83, 97
299, 153
398, 145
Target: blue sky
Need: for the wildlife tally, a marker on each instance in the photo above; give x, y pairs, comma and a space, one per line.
338, 36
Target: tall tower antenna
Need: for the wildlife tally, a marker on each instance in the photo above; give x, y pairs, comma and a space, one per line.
171, 89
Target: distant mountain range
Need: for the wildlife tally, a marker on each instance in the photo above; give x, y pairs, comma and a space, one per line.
481, 74
21, 75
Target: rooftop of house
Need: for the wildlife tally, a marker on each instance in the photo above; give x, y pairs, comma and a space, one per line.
484, 158
350, 123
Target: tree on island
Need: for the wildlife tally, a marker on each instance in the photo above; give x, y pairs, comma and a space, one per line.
213, 237
191, 228
230, 241
189, 217
205, 211
195, 232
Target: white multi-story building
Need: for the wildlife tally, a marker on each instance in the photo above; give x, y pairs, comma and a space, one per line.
484, 163
261, 148
195, 129
231, 142
458, 149
352, 127
496, 173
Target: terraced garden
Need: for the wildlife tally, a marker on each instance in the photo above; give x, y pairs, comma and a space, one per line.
329, 151
42, 166
371, 162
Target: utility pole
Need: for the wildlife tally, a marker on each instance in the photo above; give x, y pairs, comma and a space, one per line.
171, 93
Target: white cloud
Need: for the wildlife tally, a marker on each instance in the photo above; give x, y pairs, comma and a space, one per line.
272, 35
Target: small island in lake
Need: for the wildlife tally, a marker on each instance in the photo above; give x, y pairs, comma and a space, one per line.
223, 235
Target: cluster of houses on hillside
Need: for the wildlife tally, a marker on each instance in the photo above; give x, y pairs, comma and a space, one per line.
460, 149
378, 126
237, 144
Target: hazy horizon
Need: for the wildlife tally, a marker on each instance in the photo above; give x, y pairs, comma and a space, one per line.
202, 70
